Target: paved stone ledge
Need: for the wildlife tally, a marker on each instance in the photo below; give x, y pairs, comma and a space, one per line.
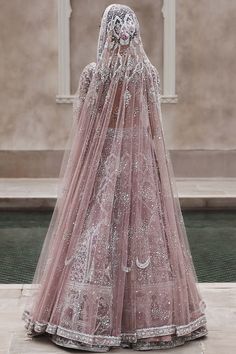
193, 192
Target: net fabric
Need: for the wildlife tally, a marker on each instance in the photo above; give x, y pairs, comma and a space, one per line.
116, 268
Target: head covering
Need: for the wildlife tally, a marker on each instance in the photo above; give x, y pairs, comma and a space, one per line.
120, 23
117, 228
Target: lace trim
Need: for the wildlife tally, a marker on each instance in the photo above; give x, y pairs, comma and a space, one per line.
36, 327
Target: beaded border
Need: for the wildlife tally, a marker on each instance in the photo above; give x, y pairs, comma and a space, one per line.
140, 345
36, 327
178, 341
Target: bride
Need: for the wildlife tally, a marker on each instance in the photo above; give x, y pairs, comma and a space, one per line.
116, 268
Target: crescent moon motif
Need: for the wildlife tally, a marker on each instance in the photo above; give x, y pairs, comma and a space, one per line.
144, 264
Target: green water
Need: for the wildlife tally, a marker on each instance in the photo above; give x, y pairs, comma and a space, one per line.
212, 238
211, 234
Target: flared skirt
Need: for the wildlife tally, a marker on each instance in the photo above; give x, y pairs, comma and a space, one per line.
128, 280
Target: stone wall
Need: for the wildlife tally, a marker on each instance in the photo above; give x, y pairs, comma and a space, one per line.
202, 120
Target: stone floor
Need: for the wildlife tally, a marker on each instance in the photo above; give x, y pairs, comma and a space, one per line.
221, 314
193, 192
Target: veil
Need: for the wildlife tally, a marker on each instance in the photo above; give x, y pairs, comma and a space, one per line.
116, 119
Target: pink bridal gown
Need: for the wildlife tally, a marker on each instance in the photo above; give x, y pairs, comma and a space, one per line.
115, 268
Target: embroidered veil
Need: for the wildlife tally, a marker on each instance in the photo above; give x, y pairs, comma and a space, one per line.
116, 268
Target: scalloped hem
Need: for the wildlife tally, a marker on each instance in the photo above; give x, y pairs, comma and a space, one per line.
136, 341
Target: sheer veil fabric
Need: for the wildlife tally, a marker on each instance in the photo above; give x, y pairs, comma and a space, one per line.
116, 268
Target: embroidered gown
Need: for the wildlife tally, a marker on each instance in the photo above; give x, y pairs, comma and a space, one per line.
115, 268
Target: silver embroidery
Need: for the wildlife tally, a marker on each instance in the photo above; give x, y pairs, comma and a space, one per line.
144, 264
34, 328
127, 97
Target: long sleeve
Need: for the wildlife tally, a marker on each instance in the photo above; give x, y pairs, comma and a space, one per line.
83, 86
157, 85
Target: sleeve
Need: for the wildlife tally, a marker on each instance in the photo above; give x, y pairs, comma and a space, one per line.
83, 86
157, 87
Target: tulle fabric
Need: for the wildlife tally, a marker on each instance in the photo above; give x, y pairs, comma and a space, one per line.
116, 268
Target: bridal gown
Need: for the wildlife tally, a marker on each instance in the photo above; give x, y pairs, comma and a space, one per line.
116, 268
